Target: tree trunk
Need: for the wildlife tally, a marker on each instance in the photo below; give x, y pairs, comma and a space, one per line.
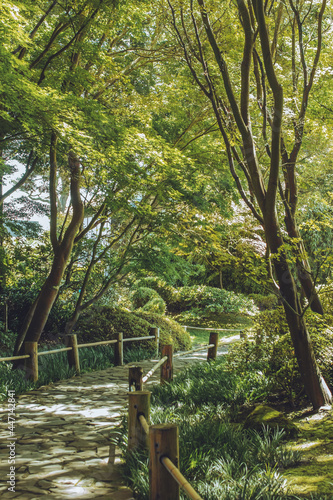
315, 385
303, 267
62, 252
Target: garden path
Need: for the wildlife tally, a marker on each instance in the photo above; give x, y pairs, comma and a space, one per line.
62, 439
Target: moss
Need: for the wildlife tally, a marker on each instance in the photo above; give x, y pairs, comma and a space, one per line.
315, 474
265, 415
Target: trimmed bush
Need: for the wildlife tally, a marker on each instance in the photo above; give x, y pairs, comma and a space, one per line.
160, 286
156, 305
142, 296
170, 331
103, 323
148, 300
210, 300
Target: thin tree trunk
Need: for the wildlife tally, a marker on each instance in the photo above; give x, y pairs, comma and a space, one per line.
315, 385
62, 253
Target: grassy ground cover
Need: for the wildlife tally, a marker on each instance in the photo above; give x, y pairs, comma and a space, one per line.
220, 458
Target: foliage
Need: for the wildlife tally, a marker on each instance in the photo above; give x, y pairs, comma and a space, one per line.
148, 300
264, 302
218, 457
159, 285
103, 323
272, 352
199, 301
326, 297
170, 331
209, 300
156, 305
142, 295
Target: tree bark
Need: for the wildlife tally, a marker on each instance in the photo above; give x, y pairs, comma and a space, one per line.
315, 385
62, 251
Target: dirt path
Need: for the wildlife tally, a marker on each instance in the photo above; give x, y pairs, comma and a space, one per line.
61, 441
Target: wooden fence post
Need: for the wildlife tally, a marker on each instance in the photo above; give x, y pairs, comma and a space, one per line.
135, 378
156, 331
164, 441
138, 404
31, 364
212, 351
73, 355
167, 367
118, 350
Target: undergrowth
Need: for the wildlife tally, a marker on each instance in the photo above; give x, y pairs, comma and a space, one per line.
220, 458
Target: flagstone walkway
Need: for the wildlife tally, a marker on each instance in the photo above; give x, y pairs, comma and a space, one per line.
63, 436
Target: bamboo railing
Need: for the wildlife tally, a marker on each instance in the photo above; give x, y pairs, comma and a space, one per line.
162, 440
31, 352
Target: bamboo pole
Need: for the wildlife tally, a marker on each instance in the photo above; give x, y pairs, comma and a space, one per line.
148, 337
73, 354
54, 351
167, 367
138, 404
13, 358
153, 370
31, 363
92, 344
135, 378
163, 441
178, 476
197, 349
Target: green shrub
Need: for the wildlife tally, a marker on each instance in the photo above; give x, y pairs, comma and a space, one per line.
142, 296
272, 351
156, 305
161, 287
326, 297
103, 323
264, 302
170, 331
210, 300
148, 300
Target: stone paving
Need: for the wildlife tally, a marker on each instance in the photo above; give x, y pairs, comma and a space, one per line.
63, 435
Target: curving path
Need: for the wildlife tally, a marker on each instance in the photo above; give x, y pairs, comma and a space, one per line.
63, 435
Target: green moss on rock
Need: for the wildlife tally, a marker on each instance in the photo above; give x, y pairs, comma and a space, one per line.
265, 415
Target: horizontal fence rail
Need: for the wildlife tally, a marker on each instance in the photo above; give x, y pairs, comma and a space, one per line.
197, 349
31, 351
139, 338
213, 329
14, 358
54, 351
153, 370
93, 344
178, 476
